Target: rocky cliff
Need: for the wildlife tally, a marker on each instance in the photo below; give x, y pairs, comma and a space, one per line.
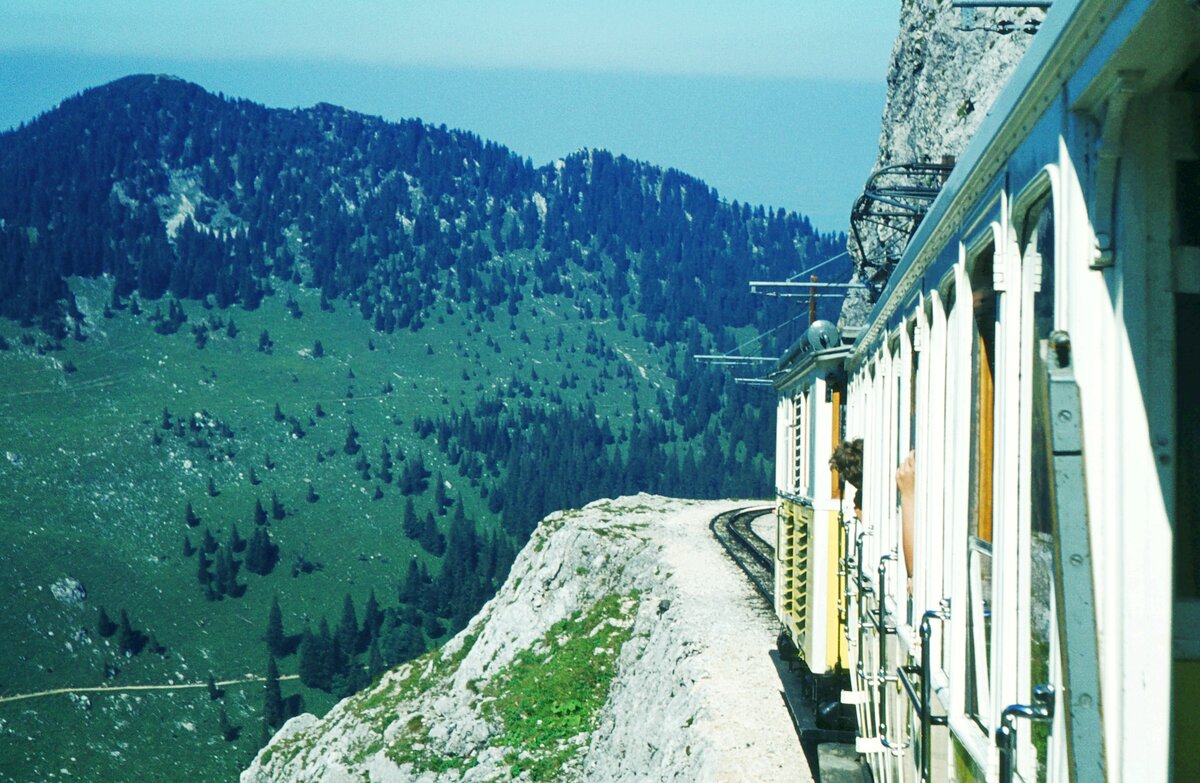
948, 65
623, 646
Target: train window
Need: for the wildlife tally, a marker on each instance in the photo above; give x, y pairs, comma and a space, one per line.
906, 532
979, 522
1037, 253
955, 462
983, 365
898, 423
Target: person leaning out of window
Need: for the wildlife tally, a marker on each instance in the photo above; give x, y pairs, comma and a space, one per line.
847, 461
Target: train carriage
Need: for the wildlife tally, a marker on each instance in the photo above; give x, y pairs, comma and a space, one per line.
1033, 349
810, 545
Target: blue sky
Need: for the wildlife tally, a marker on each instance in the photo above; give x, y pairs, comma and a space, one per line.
773, 102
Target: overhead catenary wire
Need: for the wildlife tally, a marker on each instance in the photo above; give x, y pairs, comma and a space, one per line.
829, 260
732, 357
771, 330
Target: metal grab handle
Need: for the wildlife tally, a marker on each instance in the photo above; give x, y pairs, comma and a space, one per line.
922, 703
1006, 735
884, 630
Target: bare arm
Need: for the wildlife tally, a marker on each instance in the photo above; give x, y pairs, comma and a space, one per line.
905, 482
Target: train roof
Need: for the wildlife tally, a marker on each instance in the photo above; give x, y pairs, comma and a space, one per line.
810, 352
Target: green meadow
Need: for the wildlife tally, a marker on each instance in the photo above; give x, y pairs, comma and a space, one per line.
94, 488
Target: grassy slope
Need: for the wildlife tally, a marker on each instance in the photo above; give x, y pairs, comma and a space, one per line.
84, 492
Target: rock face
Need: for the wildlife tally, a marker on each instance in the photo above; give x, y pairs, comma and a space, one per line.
623, 646
947, 68
69, 591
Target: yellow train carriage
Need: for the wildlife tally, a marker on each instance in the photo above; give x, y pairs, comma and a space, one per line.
810, 530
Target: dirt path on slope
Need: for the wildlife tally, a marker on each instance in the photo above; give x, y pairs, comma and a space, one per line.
113, 688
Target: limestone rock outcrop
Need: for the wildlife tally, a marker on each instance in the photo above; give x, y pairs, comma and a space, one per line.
623, 646
948, 65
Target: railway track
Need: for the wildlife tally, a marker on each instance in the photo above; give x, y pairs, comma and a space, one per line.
748, 550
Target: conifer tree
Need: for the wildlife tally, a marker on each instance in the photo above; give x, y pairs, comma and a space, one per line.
401, 642
330, 658
347, 633
272, 697
208, 544
372, 621
214, 692
104, 624
254, 479
236, 542
222, 576
276, 639
188, 549
463, 547
312, 496
261, 554
155, 646
277, 510
375, 664
228, 730
260, 513
129, 640
189, 516
431, 539
432, 627
212, 488
413, 587
385, 465
350, 681
411, 525
351, 446
440, 500
202, 563
312, 660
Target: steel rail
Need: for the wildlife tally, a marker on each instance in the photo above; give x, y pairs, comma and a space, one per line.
722, 529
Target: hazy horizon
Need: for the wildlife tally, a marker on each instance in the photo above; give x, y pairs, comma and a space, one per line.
801, 145
773, 102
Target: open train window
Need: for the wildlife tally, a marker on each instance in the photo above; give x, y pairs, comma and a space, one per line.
979, 521
913, 372
1038, 261
899, 423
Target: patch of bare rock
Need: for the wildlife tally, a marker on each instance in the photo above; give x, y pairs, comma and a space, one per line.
663, 620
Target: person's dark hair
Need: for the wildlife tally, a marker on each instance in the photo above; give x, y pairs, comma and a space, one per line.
847, 461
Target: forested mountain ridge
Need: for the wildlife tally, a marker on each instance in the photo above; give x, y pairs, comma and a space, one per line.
381, 213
